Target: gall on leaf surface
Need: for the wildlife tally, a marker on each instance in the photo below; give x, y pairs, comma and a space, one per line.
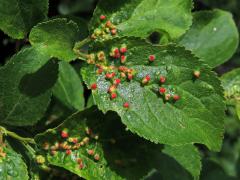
12, 165
197, 115
124, 155
140, 18
69, 88
83, 156
56, 38
213, 37
25, 90
18, 17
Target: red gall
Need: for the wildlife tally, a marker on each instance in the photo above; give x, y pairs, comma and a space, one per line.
64, 133
81, 165
68, 152
113, 96
151, 58
117, 81
162, 79
130, 76
114, 32
146, 79
176, 97
123, 59
162, 90
96, 157
109, 75
102, 17
112, 89
108, 24
99, 71
94, 86
79, 160
123, 49
90, 152
126, 105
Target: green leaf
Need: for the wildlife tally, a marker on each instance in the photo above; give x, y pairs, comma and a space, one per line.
12, 165
123, 153
69, 87
188, 156
213, 37
139, 18
18, 17
76, 126
56, 38
196, 118
25, 83
231, 85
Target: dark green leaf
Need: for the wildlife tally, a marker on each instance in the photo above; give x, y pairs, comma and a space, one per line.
69, 88
76, 126
25, 84
212, 37
56, 38
231, 85
12, 166
188, 156
196, 118
18, 17
141, 17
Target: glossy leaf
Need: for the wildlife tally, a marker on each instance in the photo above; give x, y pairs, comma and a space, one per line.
18, 17
213, 36
25, 90
188, 156
199, 112
69, 87
76, 126
12, 165
139, 18
56, 38
124, 153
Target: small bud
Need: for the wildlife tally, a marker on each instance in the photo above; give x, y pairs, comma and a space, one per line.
94, 86
196, 73
167, 96
86, 140
162, 90
101, 56
113, 96
64, 133
126, 105
151, 58
162, 79
102, 17
96, 157
90, 152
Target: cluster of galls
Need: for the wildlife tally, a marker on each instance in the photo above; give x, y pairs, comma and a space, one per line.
106, 30
69, 144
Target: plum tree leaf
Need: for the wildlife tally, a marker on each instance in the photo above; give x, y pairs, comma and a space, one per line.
79, 161
147, 105
188, 156
56, 38
139, 18
69, 87
12, 165
18, 17
213, 36
25, 90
